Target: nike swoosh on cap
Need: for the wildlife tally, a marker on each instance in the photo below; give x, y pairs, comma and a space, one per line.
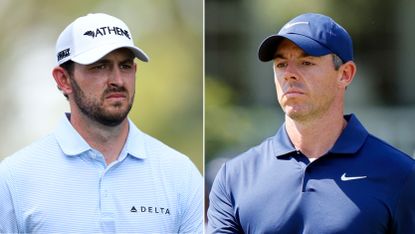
289, 25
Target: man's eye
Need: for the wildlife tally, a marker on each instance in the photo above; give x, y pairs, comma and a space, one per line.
307, 63
126, 66
280, 65
99, 67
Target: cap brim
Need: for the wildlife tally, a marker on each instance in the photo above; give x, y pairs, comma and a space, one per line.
94, 55
268, 47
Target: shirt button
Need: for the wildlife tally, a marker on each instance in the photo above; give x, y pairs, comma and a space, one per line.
91, 154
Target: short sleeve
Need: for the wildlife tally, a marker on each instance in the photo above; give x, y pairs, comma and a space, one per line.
221, 218
8, 221
404, 218
192, 205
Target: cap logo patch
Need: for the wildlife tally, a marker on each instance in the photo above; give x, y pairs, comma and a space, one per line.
63, 54
107, 31
289, 25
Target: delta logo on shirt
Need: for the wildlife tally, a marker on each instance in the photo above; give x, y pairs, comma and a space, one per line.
103, 31
151, 210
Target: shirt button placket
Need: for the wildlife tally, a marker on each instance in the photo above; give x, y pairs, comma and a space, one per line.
107, 212
304, 169
307, 186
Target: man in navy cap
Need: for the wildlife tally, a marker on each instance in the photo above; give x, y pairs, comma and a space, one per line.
322, 172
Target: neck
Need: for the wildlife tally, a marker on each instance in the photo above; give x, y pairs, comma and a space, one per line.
315, 137
109, 140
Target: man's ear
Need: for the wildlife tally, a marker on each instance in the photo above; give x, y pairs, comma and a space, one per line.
62, 80
347, 73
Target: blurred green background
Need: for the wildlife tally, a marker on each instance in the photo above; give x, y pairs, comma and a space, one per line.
240, 104
169, 89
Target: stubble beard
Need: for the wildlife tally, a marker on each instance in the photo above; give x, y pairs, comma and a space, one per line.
302, 112
94, 109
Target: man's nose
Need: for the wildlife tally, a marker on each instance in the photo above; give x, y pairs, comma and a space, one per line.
116, 77
291, 72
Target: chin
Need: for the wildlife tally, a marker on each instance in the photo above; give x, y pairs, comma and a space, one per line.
294, 116
113, 116
296, 113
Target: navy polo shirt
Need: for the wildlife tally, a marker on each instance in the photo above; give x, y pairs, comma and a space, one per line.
362, 185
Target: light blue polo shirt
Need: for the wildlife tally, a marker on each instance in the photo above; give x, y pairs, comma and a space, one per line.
61, 184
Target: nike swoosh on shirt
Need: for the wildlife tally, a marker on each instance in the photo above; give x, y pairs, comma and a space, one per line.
347, 178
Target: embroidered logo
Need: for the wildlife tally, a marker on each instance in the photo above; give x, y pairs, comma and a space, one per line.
103, 31
151, 210
347, 178
133, 209
89, 33
63, 54
289, 25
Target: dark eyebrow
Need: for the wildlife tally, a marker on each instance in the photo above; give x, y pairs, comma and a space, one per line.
128, 60
281, 56
107, 61
102, 61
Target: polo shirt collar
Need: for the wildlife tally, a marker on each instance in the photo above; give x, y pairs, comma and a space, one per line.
135, 145
349, 142
72, 144
69, 139
352, 138
282, 142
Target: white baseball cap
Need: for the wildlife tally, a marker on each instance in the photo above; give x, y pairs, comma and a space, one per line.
91, 37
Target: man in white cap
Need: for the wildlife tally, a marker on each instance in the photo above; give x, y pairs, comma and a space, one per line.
97, 172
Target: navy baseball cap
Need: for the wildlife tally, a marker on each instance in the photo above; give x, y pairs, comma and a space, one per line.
316, 34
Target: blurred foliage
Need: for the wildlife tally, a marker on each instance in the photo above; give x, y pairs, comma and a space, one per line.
169, 89
232, 128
